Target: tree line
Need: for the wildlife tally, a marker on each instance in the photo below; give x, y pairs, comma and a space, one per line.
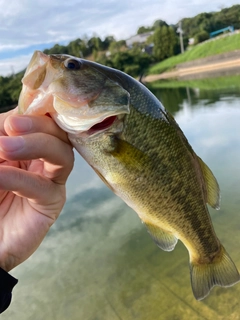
161, 44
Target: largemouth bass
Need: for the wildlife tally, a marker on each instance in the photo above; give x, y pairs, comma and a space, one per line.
125, 134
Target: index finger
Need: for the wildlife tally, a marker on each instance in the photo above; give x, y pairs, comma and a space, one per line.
15, 125
57, 156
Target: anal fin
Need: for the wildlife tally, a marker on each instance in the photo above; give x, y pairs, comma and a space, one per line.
164, 240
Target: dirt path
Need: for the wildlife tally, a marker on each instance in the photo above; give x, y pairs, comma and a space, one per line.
183, 72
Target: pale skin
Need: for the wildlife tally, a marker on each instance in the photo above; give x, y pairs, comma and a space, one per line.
36, 159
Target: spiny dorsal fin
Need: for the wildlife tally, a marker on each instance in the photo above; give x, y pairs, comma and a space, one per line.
165, 240
212, 187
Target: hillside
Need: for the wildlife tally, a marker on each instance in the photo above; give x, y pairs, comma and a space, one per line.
206, 49
137, 59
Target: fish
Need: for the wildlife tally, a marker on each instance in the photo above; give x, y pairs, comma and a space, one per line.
139, 151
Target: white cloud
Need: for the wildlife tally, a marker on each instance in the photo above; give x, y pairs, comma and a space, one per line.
14, 65
26, 23
41, 21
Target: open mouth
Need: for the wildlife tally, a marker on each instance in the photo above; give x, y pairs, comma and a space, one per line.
106, 123
75, 125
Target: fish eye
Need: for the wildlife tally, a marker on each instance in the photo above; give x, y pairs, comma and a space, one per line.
72, 64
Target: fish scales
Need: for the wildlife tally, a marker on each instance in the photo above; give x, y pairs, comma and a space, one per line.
136, 147
179, 199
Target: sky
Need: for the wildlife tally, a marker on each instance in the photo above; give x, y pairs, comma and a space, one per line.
30, 25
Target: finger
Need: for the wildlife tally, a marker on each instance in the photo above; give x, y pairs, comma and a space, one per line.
36, 188
15, 125
57, 155
3, 117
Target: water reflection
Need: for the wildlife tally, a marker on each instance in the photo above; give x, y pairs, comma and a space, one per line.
174, 94
98, 261
171, 98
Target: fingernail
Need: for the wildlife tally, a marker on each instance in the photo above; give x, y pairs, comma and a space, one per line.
10, 144
20, 123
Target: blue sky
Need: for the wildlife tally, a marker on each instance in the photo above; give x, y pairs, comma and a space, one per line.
29, 25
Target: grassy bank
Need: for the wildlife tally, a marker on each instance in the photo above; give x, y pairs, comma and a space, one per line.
203, 50
204, 84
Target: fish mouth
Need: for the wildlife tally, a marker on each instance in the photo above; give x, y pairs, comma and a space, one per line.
75, 104
82, 122
103, 125
91, 128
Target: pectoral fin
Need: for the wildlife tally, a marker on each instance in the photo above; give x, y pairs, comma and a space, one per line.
212, 187
129, 155
165, 240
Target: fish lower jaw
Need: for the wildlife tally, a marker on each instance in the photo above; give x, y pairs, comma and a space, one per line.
84, 128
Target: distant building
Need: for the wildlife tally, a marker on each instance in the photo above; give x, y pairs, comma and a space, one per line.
191, 41
229, 28
138, 38
148, 49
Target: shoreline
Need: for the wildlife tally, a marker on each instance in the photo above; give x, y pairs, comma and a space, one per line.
196, 71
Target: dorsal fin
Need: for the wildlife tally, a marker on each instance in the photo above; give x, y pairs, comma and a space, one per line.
212, 187
165, 240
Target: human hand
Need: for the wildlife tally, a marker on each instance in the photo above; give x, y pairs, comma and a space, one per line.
35, 162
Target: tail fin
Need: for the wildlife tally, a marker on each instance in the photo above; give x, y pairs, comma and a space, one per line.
220, 272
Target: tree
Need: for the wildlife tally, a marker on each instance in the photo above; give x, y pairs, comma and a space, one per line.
212, 21
160, 23
144, 29
133, 61
57, 49
107, 41
165, 42
116, 46
201, 36
78, 48
95, 43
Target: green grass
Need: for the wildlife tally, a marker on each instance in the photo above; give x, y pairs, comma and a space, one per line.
204, 84
203, 50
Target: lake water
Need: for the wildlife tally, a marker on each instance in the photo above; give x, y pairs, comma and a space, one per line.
99, 263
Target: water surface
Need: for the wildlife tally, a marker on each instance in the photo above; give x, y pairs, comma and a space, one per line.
99, 263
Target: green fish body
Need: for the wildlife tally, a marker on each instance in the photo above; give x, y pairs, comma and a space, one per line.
139, 151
